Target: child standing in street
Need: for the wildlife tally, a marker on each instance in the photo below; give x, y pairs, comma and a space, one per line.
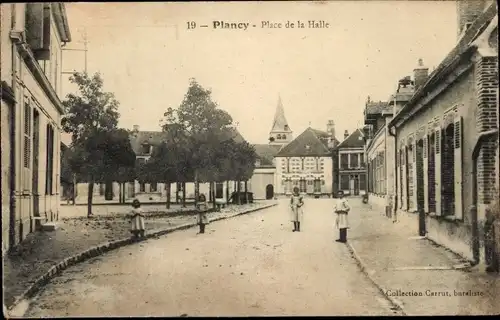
202, 208
296, 203
342, 208
137, 227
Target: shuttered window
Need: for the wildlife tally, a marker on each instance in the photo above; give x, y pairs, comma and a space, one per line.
49, 182
27, 135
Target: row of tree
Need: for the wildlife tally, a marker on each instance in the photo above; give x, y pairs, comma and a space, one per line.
199, 146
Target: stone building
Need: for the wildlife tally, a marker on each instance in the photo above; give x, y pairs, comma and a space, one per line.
31, 40
380, 145
352, 163
437, 133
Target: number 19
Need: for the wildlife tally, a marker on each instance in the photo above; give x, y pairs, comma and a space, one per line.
191, 24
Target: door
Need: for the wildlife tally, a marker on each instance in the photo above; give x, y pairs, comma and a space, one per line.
108, 190
356, 185
34, 172
269, 191
317, 186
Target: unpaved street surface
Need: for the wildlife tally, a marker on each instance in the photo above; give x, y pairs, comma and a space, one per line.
250, 265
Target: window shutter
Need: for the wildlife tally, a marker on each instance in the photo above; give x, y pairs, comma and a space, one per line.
34, 25
414, 199
458, 140
426, 169
404, 187
437, 168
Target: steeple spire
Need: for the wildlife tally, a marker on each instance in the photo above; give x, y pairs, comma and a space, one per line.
280, 124
280, 134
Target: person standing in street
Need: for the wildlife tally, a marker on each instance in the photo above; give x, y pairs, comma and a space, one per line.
296, 203
342, 209
202, 208
137, 224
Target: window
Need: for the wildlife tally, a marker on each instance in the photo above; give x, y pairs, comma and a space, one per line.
354, 160
278, 137
49, 166
142, 187
283, 137
286, 127
146, 148
344, 161
302, 186
317, 185
344, 182
153, 187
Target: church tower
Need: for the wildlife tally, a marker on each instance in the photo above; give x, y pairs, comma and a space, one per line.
280, 134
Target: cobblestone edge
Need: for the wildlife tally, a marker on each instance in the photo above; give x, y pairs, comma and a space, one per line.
397, 305
105, 247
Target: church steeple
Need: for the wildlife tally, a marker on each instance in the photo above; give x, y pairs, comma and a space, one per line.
280, 132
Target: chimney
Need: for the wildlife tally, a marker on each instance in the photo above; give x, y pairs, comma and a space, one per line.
420, 74
467, 13
346, 134
136, 127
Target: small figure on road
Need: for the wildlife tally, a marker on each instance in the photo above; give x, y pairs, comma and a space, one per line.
138, 225
296, 203
342, 208
202, 208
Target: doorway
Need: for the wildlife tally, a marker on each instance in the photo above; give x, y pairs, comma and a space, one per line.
448, 171
354, 185
269, 191
108, 190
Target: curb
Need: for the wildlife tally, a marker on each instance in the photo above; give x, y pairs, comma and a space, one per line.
364, 269
103, 248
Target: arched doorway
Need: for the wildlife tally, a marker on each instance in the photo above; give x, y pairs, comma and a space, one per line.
269, 191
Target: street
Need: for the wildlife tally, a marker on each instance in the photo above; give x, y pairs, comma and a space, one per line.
250, 265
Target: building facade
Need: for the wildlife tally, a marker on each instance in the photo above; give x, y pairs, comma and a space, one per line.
352, 163
306, 163
31, 39
380, 144
447, 138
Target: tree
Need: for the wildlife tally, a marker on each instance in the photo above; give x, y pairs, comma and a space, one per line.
99, 147
198, 128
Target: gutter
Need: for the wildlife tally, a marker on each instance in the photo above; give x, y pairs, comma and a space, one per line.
12, 167
483, 136
34, 67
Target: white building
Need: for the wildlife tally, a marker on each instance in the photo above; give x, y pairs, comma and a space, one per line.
31, 111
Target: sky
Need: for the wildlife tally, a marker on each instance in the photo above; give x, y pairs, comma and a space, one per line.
146, 55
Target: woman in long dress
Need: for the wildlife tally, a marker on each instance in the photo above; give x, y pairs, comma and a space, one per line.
296, 203
342, 209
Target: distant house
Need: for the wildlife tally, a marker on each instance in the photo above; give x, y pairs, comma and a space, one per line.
447, 137
262, 182
143, 144
305, 163
352, 165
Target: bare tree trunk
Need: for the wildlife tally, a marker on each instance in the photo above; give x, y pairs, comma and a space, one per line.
167, 187
183, 194
238, 193
89, 198
177, 192
213, 194
227, 192
120, 194
74, 190
246, 192
196, 188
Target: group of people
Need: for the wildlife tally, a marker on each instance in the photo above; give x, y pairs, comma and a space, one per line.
341, 209
138, 225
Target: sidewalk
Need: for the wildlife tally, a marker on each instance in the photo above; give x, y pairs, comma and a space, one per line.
417, 274
42, 250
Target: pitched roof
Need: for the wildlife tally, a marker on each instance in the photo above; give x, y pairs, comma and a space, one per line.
266, 153
354, 140
154, 138
464, 45
306, 144
279, 121
377, 107
139, 138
